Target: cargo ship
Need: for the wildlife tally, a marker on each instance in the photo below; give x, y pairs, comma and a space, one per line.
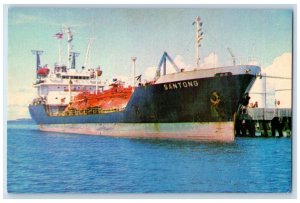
198, 105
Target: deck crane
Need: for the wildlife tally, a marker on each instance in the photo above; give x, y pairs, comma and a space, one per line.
163, 61
232, 56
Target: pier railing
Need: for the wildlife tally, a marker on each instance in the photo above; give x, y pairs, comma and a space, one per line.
269, 113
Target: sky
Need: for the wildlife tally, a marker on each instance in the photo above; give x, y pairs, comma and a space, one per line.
120, 33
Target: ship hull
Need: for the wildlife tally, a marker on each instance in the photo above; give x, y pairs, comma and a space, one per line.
209, 131
194, 109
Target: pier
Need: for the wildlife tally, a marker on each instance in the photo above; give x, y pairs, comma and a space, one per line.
266, 122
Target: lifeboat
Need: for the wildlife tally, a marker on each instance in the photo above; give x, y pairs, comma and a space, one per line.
43, 71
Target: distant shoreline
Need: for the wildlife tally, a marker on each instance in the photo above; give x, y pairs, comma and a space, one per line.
20, 119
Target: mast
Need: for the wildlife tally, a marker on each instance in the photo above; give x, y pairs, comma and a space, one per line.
98, 74
198, 38
70, 38
133, 72
74, 55
59, 37
96, 82
70, 84
59, 52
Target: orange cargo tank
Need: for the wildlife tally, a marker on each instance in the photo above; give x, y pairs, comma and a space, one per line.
115, 98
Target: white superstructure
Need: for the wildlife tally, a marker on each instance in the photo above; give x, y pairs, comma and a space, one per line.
60, 85
56, 88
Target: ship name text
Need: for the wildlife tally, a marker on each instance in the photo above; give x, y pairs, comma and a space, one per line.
179, 85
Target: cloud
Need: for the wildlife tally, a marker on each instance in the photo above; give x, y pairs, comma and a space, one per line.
122, 78
22, 19
19, 97
211, 61
281, 66
179, 61
16, 112
276, 88
149, 73
18, 101
17, 106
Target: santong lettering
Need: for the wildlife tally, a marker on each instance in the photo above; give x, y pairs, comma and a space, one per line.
179, 85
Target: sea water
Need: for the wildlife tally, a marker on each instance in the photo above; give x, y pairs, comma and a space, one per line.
43, 162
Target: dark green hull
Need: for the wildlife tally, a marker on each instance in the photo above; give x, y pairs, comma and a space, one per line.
214, 99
